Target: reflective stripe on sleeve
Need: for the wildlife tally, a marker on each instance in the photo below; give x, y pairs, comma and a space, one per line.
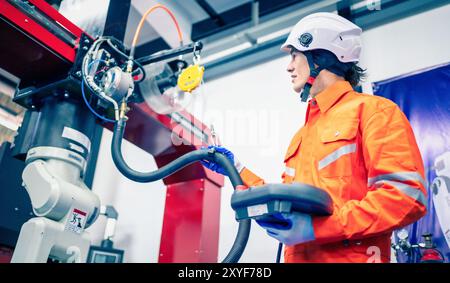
407, 190
400, 176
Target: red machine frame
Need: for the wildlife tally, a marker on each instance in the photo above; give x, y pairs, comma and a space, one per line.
192, 210
39, 32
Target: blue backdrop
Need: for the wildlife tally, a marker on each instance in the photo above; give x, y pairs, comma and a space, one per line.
425, 99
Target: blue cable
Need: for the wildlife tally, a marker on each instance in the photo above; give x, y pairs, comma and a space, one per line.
90, 108
280, 248
87, 102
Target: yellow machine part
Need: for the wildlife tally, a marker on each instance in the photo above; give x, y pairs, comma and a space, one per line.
190, 78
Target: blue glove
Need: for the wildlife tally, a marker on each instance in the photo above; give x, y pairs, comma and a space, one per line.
290, 228
214, 166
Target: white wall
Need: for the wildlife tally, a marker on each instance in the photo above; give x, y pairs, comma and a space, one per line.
407, 45
140, 206
255, 113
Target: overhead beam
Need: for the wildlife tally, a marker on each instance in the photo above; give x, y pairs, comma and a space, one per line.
236, 16
211, 12
257, 54
392, 10
344, 9
263, 52
282, 19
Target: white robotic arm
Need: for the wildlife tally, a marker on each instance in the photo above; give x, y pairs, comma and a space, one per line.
440, 189
63, 204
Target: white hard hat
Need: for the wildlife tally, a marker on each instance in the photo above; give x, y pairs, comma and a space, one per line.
326, 31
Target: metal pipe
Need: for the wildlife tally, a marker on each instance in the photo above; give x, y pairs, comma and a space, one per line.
167, 54
194, 156
255, 12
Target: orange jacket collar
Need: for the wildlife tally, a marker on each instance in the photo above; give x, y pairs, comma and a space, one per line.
328, 97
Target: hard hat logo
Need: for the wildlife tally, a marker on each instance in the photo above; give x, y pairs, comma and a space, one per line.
305, 39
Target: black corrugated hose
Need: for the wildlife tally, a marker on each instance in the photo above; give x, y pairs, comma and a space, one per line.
145, 177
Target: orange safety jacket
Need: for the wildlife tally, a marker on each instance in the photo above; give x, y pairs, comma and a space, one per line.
361, 149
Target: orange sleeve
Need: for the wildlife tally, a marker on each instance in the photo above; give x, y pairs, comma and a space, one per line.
250, 179
396, 194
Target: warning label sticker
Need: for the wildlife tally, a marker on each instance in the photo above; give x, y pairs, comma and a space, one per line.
257, 210
76, 221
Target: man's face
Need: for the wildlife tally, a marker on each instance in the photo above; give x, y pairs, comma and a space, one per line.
299, 70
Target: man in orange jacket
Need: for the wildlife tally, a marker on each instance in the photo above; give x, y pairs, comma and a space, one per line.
359, 148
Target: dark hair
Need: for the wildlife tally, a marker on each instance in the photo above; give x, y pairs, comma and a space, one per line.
355, 75
328, 60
